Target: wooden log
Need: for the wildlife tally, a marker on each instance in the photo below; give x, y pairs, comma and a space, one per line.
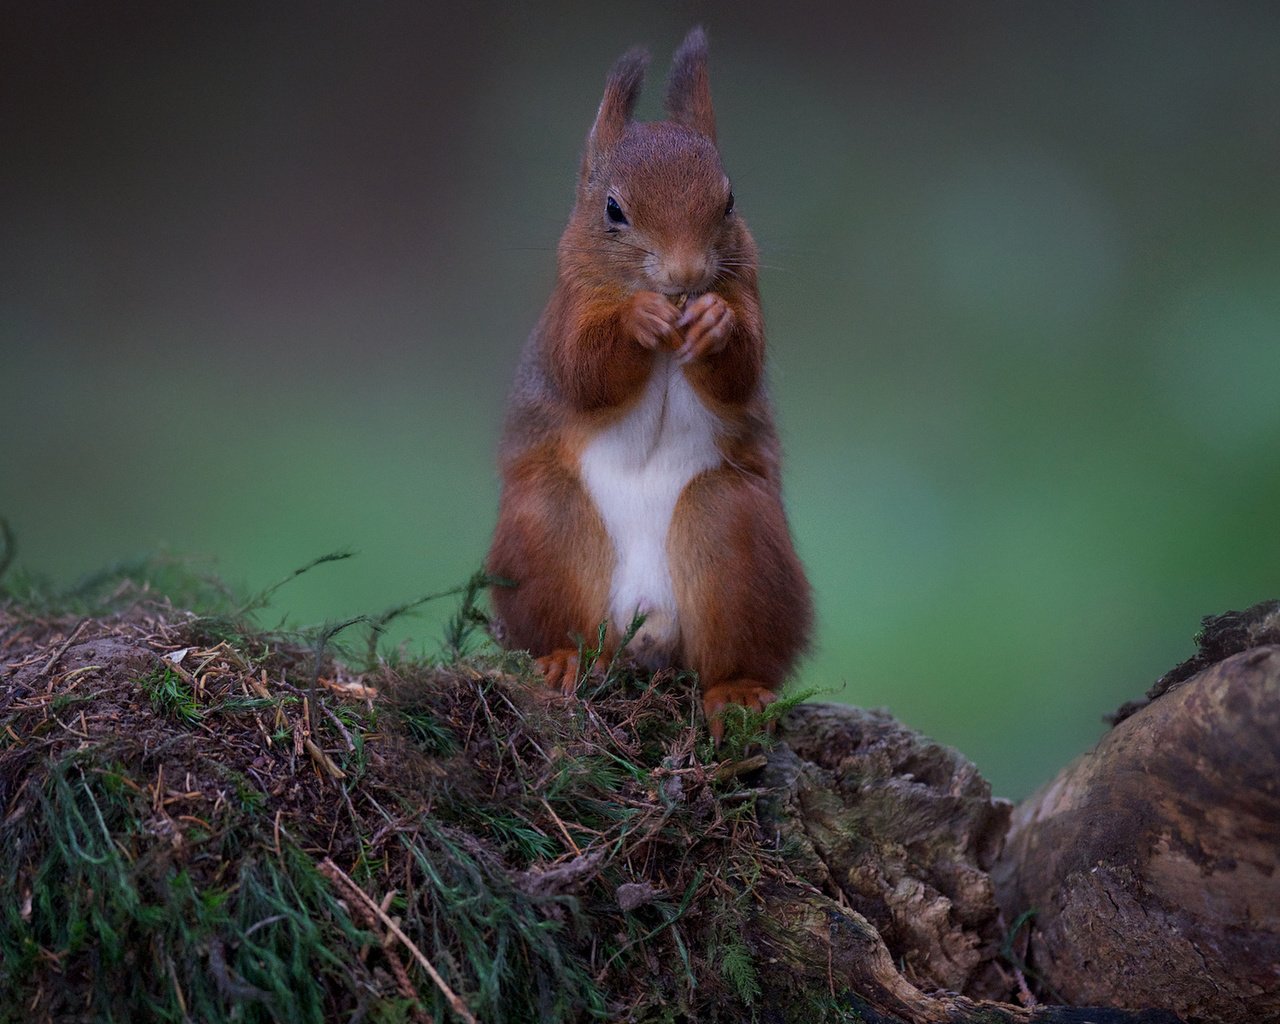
889, 906
902, 830
1152, 864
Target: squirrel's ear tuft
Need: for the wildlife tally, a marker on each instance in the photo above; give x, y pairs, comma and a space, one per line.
620, 94
689, 86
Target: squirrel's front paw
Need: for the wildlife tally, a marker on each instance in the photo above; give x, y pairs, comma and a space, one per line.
652, 319
705, 323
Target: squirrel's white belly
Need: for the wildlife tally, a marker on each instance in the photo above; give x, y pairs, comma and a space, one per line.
635, 470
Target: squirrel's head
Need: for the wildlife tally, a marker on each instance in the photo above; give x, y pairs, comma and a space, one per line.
655, 209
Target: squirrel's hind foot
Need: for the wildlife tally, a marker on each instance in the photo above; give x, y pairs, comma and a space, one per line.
560, 669
745, 693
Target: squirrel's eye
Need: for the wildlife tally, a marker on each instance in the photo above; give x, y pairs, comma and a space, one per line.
728, 207
614, 212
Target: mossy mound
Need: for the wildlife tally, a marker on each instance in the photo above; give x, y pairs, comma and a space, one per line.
189, 809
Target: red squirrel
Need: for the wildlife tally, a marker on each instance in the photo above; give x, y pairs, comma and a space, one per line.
640, 463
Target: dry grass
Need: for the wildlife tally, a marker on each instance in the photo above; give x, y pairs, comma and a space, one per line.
200, 820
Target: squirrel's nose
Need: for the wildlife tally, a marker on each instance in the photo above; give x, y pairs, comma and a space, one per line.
685, 273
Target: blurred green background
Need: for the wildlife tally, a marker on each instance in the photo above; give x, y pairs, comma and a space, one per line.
266, 269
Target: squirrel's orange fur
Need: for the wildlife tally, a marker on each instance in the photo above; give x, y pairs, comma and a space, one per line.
640, 463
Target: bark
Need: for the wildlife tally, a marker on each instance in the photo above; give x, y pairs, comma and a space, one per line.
1151, 862
895, 835
900, 829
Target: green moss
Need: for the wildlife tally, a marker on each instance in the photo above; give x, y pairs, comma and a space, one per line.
259, 943
171, 694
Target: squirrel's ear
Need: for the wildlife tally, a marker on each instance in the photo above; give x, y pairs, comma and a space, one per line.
689, 86
620, 94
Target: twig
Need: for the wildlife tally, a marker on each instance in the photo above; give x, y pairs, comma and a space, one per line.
369, 919
323, 759
62, 649
732, 769
284, 684
81, 671
340, 878
563, 831
406, 986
